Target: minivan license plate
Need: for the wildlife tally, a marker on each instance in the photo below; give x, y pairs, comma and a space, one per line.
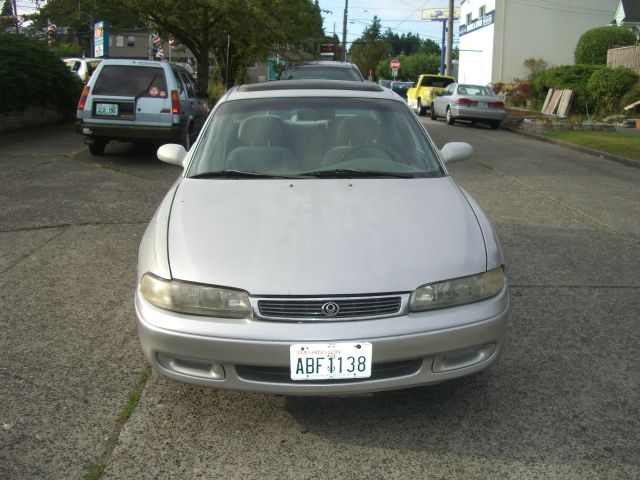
325, 361
107, 109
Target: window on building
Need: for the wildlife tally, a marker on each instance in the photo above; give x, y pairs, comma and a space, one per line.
131, 41
482, 11
468, 19
119, 41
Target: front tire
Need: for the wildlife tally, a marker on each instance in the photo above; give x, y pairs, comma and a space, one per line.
422, 110
450, 119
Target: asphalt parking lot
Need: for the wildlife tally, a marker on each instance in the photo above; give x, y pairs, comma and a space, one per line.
562, 402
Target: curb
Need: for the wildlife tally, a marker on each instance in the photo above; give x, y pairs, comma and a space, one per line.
631, 162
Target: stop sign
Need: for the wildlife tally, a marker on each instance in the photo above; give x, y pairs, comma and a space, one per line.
395, 64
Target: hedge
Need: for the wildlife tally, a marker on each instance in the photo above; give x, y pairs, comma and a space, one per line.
31, 75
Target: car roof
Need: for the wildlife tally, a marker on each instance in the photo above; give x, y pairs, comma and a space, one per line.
310, 88
324, 63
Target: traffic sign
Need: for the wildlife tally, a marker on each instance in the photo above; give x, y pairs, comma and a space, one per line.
395, 64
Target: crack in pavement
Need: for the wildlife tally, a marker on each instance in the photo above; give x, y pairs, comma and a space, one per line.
566, 205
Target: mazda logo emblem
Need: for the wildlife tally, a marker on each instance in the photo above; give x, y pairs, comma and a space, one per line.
330, 309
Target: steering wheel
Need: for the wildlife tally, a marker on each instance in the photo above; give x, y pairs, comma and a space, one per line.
375, 148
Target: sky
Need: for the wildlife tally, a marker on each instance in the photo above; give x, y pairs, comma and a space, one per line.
402, 16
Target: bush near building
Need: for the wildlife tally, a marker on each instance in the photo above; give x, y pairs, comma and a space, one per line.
31, 75
608, 86
593, 45
571, 77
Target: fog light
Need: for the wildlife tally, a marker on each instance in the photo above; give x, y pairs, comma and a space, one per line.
191, 367
463, 358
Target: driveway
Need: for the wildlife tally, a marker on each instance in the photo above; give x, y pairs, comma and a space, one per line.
562, 402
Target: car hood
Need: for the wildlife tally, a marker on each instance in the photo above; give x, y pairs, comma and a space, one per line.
323, 237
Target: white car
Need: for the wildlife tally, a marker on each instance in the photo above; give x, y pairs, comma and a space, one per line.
315, 244
83, 67
473, 103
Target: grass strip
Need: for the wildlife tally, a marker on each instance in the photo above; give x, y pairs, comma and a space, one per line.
616, 143
95, 471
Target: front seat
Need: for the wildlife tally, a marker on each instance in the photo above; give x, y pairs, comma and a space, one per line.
261, 150
351, 133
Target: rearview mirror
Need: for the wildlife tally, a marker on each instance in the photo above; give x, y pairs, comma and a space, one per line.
172, 153
454, 151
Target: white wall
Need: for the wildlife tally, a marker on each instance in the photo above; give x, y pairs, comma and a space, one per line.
476, 56
547, 29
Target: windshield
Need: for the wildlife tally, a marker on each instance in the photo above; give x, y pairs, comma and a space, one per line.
475, 90
131, 81
319, 137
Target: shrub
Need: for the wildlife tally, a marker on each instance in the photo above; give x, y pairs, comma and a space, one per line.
607, 86
571, 77
632, 96
593, 44
30, 75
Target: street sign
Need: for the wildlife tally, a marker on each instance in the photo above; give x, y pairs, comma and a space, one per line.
395, 64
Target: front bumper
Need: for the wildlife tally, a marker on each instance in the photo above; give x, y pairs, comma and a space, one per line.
409, 350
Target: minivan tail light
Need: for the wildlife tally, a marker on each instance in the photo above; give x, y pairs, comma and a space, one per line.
175, 101
83, 98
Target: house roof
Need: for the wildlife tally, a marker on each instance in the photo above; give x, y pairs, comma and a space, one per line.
631, 11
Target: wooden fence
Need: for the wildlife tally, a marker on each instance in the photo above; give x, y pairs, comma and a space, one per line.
624, 57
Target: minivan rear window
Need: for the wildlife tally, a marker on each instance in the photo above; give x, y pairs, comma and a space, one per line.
131, 81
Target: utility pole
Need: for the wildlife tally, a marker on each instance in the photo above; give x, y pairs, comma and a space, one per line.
344, 29
15, 15
449, 52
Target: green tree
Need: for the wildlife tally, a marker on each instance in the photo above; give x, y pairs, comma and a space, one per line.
593, 44
6, 15
236, 33
367, 51
79, 15
411, 66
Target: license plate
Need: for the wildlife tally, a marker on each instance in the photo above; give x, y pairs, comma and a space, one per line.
107, 109
482, 104
325, 361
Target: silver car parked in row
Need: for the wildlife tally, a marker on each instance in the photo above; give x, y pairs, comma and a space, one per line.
474, 103
316, 244
140, 101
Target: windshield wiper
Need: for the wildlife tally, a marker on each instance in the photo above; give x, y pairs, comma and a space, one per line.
356, 173
241, 174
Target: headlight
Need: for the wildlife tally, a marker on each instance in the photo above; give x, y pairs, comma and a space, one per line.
458, 291
193, 298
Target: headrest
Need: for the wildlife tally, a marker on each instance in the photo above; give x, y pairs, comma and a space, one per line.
261, 131
357, 131
315, 114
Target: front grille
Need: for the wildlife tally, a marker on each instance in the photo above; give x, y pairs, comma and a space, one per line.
327, 309
379, 371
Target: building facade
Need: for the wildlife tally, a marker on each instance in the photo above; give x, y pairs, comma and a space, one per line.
497, 36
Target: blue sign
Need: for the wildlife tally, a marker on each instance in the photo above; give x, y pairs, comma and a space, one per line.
101, 39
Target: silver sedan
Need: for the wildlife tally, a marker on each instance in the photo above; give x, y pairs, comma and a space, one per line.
474, 103
316, 244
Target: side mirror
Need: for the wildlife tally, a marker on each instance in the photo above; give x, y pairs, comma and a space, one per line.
454, 151
172, 153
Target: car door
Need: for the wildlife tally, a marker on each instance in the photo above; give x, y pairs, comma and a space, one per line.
196, 106
441, 101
